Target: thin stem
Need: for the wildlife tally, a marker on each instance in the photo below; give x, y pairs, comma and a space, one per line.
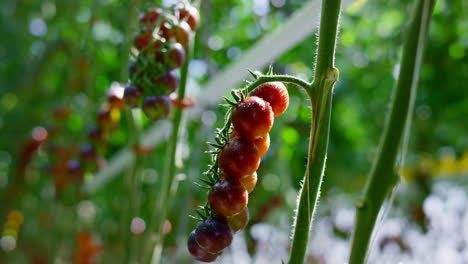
160, 211
320, 93
382, 177
134, 134
280, 78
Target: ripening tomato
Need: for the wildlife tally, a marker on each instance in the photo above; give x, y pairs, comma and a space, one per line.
169, 81
274, 93
142, 40
151, 17
156, 107
262, 143
198, 252
183, 33
228, 198
213, 234
133, 95
253, 117
176, 55
239, 221
191, 15
239, 158
249, 182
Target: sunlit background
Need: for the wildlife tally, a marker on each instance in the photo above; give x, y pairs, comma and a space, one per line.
61, 58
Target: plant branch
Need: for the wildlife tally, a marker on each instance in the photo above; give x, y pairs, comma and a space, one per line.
320, 93
383, 177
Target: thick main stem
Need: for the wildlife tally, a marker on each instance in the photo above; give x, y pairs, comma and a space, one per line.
383, 178
321, 99
170, 168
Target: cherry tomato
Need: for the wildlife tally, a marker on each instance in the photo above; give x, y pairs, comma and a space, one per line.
176, 55
239, 158
183, 33
262, 143
151, 17
252, 118
274, 93
249, 182
239, 221
198, 252
213, 234
228, 198
142, 40
169, 81
132, 95
191, 15
156, 107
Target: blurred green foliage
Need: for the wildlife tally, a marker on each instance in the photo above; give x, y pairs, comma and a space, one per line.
56, 53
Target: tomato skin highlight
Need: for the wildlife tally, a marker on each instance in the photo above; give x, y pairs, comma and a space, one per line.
198, 252
276, 94
213, 234
253, 117
239, 221
249, 182
239, 158
228, 198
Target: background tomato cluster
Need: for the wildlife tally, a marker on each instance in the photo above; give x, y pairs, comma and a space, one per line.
56, 53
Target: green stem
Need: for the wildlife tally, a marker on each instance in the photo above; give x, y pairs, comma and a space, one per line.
321, 99
382, 177
130, 179
160, 211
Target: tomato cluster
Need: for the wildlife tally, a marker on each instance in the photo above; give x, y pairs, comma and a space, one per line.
160, 42
68, 161
252, 119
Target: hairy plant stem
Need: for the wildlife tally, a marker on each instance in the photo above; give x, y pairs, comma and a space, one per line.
383, 177
320, 94
160, 210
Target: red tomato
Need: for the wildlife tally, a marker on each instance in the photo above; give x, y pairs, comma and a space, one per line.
274, 93
228, 198
252, 118
239, 158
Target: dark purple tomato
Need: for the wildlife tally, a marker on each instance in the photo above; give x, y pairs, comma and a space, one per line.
213, 234
176, 55
133, 95
156, 107
169, 81
198, 252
